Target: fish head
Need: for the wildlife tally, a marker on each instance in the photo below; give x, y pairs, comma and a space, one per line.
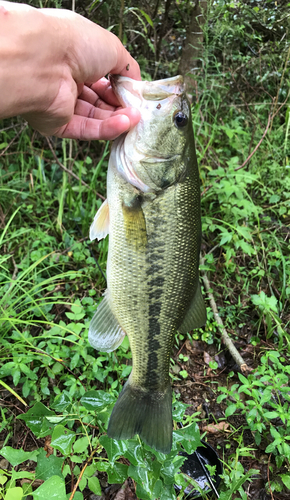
153, 155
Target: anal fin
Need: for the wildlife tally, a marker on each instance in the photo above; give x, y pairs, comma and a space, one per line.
105, 333
196, 314
100, 226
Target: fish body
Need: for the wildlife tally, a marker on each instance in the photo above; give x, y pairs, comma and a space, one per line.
152, 215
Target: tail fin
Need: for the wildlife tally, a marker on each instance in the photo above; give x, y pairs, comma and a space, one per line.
146, 413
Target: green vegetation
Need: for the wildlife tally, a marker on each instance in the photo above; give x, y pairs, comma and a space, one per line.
56, 391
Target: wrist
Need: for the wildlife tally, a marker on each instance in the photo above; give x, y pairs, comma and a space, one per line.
33, 50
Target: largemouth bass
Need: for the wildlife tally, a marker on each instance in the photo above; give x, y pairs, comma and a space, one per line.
152, 216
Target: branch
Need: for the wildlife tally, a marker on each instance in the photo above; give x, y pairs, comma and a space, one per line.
225, 337
258, 145
81, 474
14, 138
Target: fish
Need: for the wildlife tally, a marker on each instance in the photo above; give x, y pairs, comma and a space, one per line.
152, 216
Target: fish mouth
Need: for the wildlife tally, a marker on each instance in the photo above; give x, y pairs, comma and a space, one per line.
133, 92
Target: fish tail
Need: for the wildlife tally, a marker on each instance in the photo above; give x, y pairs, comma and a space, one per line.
143, 412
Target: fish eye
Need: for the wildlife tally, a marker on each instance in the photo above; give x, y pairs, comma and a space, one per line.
180, 119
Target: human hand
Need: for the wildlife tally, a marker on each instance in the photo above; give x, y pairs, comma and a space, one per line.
54, 73
97, 115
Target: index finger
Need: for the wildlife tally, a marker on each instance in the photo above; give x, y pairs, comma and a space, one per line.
125, 65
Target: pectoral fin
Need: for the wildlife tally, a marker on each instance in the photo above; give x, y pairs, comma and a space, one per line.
100, 227
105, 333
196, 314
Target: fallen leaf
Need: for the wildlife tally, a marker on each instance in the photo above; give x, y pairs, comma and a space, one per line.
207, 358
194, 346
47, 447
221, 426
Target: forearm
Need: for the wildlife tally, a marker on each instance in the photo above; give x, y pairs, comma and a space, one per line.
32, 59
47, 59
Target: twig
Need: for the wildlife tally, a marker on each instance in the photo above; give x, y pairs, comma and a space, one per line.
180, 349
82, 472
14, 139
258, 145
70, 172
226, 339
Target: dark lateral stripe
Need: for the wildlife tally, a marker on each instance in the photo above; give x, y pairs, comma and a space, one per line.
155, 261
152, 372
158, 281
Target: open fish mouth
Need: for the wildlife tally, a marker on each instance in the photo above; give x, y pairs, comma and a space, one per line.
132, 92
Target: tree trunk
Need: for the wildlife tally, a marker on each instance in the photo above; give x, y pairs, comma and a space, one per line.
193, 45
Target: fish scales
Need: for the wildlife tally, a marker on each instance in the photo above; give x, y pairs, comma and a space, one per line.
154, 243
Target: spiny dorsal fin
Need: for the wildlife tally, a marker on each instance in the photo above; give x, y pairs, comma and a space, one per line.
196, 314
100, 227
105, 333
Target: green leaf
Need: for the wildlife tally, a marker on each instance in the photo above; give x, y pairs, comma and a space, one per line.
244, 231
230, 410
62, 439
115, 449
170, 468
90, 470
52, 489
36, 420
134, 452
168, 493
148, 18
270, 414
246, 247
16, 377
103, 466
274, 198
14, 494
16, 457
236, 484
141, 493
48, 466
179, 410
97, 400
286, 480
117, 474
3, 479
21, 474
142, 477
244, 380
83, 483
61, 402
81, 445
94, 485
157, 488
77, 496
189, 437
271, 447
226, 237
